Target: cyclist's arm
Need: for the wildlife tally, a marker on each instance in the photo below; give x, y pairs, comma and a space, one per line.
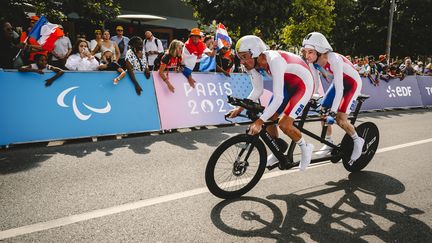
257, 85
336, 64
316, 77
277, 67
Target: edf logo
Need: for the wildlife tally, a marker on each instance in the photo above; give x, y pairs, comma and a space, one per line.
429, 90
399, 91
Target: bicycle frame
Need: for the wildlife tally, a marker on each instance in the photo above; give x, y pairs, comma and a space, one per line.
286, 161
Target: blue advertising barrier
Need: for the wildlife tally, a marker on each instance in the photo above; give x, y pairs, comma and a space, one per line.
425, 86
87, 104
78, 104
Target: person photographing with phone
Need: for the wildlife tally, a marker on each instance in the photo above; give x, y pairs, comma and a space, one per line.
81, 58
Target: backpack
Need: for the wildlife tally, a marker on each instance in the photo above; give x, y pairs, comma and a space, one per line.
157, 61
156, 41
121, 46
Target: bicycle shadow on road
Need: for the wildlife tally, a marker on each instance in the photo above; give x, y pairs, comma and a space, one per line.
349, 217
27, 157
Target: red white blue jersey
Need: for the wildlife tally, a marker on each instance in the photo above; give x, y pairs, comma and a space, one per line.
292, 83
345, 81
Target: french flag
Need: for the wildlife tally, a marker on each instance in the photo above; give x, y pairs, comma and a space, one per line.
222, 37
46, 33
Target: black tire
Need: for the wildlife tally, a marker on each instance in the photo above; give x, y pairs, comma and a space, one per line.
235, 185
370, 133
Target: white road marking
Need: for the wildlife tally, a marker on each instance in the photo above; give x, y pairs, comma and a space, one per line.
153, 201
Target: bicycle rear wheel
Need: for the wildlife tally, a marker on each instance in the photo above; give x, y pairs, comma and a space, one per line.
236, 166
370, 133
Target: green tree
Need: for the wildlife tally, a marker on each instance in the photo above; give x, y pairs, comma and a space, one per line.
243, 17
308, 16
361, 27
280, 21
95, 11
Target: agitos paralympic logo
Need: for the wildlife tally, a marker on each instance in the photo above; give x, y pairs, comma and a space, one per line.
77, 112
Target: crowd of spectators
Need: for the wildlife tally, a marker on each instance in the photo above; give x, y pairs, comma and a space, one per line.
137, 55
113, 53
377, 70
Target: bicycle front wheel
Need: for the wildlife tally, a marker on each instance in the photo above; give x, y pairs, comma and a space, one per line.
236, 166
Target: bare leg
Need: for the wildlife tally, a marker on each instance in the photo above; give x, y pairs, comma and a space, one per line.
342, 121
286, 125
272, 129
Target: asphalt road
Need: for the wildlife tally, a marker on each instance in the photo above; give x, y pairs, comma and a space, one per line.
152, 189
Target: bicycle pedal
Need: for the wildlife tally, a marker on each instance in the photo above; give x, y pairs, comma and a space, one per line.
271, 167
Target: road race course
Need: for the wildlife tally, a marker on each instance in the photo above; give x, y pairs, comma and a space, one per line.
152, 189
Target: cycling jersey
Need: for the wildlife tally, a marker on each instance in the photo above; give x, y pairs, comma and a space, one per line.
345, 83
292, 84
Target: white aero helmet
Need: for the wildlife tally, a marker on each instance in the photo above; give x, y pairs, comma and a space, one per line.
252, 44
317, 41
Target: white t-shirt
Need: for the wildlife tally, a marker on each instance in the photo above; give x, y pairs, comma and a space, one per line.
62, 46
150, 45
76, 63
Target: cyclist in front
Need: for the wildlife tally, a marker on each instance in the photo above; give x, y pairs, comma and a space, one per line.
344, 89
292, 88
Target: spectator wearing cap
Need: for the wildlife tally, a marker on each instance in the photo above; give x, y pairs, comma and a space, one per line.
193, 50
122, 43
97, 40
30, 45
152, 48
61, 51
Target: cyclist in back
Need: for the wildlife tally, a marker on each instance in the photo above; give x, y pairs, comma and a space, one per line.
344, 89
292, 88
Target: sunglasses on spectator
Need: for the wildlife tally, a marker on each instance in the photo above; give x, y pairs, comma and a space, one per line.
119, 30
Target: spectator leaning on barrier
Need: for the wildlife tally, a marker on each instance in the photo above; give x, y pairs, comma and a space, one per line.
171, 61
122, 43
61, 51
419, 69
81, 58
95, 42
136, 61
407, 68
193, 50
108, 64
153, 48
31, 46
360, 68
41, 66
373, 74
